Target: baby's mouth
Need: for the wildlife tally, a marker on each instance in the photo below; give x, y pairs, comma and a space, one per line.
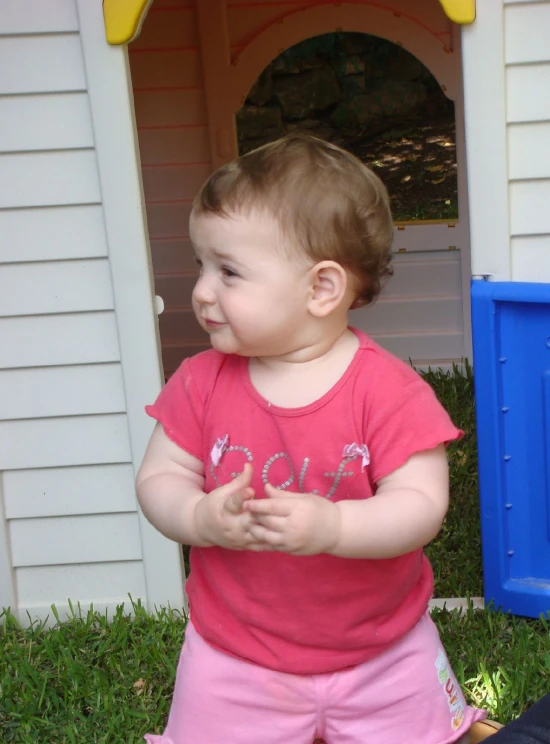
213, 323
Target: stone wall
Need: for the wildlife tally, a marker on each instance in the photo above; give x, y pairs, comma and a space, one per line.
342, 87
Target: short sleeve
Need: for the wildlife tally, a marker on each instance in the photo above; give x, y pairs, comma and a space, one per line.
413, 422
179, 408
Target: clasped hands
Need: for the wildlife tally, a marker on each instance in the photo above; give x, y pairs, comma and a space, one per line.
297, 523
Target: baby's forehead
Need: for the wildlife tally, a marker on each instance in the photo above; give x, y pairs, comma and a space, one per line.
247, 214
253, 224
250, 236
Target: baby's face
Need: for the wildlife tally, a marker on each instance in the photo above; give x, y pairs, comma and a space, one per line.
251, 296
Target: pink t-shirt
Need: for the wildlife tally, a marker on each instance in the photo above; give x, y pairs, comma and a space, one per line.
304, 614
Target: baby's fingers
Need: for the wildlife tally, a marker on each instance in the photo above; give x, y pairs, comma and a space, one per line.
279, 493
238, 491
235, 501
267, 508
266, 537
273, 524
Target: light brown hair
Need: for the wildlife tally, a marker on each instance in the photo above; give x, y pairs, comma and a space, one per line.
322, 197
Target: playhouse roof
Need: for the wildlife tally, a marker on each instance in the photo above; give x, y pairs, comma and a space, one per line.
123, 20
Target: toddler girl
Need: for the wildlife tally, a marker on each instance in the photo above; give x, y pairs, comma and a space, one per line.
306, 466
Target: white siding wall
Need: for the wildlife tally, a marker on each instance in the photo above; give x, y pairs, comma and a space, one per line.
68, 521
419, 316
527, 56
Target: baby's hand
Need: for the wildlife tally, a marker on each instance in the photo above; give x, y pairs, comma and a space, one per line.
299, 523
219, 516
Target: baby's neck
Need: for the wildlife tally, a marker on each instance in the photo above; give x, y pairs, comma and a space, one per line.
302, 378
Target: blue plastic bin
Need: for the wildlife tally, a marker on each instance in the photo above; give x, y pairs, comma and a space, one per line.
511, 335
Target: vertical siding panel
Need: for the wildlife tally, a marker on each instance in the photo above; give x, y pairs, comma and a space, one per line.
110, 582
525, 88
8, 596
52, 234
49, 340
38, 17
68, 491
58, 442
65, 540
526, 33
22, 68
528, 116
57, 287
529, 213
37, 122
531, 258
49, 179
61, 391
111, 103
486, 141
53, 417
529, 151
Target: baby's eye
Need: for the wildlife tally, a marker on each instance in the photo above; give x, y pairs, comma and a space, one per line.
226, 271
198, 262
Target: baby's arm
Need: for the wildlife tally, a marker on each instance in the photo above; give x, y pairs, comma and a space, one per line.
170, 489
405, 514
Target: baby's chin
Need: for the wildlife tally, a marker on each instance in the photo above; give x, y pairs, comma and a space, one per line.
226, 345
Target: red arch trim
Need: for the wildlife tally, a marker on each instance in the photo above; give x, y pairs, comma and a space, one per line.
319, 3
374, 18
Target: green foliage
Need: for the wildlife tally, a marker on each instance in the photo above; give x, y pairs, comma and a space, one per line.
442, 209
88, 680
455, 554
502, 662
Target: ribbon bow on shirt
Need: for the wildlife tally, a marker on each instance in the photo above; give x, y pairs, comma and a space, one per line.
220, 445
359, 450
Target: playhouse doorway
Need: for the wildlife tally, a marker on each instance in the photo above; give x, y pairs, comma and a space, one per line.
193, 68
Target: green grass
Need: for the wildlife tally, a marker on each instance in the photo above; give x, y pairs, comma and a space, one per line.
455, 554
90, 680
501, 661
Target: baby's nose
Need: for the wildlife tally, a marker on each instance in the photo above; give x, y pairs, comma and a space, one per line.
203, 291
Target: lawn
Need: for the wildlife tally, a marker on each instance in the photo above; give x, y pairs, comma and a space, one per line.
456, 552
90, 680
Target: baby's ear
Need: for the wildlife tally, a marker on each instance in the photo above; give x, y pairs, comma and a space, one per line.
329, 286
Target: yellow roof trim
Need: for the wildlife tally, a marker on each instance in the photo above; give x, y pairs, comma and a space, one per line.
123, 19
460, 11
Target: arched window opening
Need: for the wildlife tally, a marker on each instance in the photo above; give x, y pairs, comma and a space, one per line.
373, 98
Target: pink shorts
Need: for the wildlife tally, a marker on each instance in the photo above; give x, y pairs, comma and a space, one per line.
407, 694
